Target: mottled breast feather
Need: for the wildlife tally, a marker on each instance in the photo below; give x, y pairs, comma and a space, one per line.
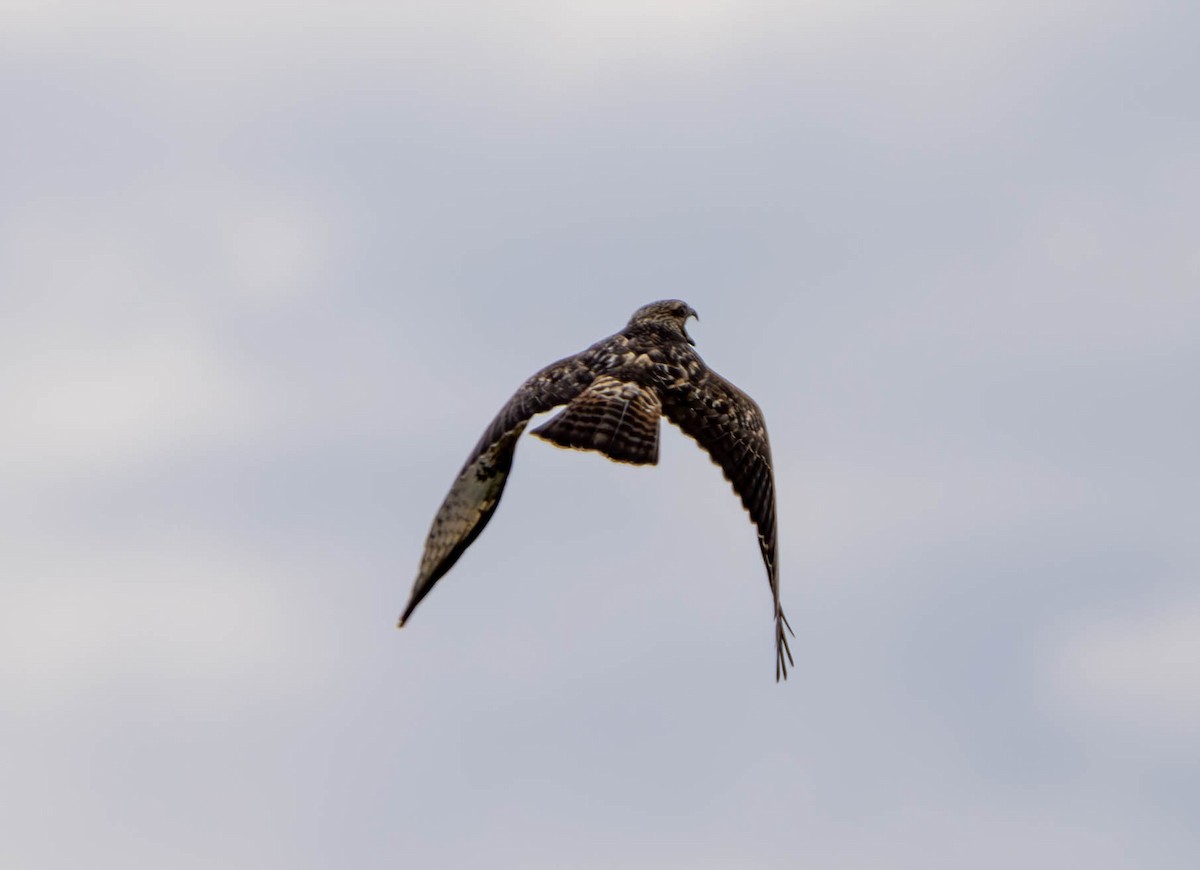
615, 392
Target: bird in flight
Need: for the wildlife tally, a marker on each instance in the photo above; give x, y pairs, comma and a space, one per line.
615, 392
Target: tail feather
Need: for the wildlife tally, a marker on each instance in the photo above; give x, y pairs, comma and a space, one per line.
616, 418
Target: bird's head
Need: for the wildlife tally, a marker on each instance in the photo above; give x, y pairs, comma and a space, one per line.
668, 315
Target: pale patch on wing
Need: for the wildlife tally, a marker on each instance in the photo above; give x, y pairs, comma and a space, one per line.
464, 512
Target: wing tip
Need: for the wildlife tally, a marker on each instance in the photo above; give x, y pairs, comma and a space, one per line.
412, 605
782, 648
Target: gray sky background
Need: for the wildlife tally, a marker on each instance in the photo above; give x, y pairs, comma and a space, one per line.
267, 270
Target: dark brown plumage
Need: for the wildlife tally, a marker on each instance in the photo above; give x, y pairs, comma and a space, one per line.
615, 392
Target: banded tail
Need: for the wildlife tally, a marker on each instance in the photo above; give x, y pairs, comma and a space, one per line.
614, 417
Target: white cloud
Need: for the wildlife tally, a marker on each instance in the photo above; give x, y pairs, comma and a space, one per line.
184, 617
274, 250
581, 42
113, 351
1140, 669
99, 401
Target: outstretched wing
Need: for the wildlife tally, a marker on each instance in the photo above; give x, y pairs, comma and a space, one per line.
476, 491
730, 426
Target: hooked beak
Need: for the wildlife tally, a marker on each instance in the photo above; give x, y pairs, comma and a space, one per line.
691, 312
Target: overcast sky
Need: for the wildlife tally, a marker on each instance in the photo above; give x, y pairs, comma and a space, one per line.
268, 269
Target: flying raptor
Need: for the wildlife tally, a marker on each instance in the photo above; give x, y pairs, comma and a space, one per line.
615, 392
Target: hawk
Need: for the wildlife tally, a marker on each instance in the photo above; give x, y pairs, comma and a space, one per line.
615, 392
